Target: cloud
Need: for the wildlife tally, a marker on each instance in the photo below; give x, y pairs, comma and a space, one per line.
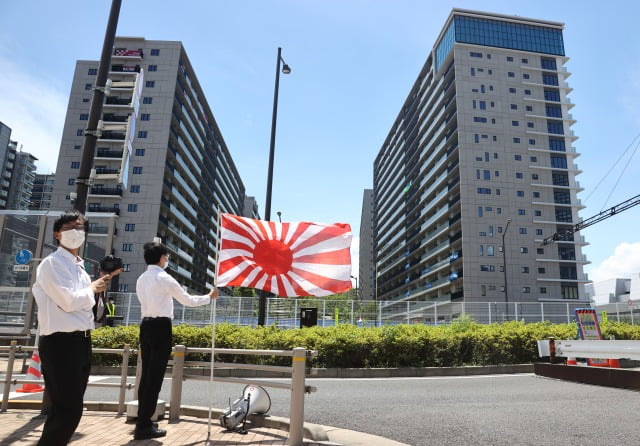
624, 262
35, 112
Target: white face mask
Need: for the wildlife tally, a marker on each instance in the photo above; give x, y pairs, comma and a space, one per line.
72, 238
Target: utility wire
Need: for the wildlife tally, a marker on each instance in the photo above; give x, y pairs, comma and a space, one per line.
611, 169
620, 177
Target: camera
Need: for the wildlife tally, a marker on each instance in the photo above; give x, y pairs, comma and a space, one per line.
110, 263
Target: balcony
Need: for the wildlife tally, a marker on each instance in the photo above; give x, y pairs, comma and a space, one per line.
105, 209
121, 68
125, 53
112, 100
112, 117
107, 153
106, 171
111, 191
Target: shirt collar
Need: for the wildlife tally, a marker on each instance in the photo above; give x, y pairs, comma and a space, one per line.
70, 257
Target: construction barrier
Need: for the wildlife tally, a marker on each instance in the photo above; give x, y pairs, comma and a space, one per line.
33, 372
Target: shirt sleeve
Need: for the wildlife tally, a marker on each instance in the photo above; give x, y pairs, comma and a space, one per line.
176, 291
59, 284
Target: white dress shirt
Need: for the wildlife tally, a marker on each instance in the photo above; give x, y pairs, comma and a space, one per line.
156, 290
63, 293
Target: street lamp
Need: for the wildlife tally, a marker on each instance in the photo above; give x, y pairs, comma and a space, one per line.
267, 206
354, 277
504, 269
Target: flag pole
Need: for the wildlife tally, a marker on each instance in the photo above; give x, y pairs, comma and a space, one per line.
213, 326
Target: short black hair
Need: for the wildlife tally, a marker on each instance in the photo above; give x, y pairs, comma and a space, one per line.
153, 251
67, 217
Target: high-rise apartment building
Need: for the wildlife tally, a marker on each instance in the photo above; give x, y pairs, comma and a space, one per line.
24, 174
366, 270
42, 192
161, 167
477, 170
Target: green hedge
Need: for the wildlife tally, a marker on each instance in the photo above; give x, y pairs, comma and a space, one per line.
462, 343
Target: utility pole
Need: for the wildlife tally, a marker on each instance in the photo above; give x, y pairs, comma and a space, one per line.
91, 133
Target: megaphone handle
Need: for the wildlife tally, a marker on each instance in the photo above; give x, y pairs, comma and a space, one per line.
243, 431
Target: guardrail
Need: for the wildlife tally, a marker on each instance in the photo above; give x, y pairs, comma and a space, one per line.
297, 371
15, 349
614, 349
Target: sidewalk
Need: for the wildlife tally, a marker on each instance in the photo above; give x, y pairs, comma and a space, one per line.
18, 428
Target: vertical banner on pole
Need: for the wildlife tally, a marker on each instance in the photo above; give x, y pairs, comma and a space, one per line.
589, 329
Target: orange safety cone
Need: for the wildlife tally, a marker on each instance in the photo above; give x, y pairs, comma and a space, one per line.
33, 372
572, 361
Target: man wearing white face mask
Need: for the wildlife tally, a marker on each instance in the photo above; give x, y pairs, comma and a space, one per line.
65, 293
156, 290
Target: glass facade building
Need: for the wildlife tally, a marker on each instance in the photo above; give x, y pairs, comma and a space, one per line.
478, 169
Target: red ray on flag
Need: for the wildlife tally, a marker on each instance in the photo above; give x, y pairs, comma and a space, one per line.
286, 259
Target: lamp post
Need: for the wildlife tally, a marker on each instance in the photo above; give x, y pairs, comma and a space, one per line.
267, 206
504, 269
354, 277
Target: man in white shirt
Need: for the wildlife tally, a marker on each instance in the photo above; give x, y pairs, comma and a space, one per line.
156, 290
65, 294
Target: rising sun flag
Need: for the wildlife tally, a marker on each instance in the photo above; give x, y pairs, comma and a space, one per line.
286, 259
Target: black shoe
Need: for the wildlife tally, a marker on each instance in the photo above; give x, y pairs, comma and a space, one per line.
150, 432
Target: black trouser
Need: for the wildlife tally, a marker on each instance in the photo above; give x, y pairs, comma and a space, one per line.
66, 364
155, 348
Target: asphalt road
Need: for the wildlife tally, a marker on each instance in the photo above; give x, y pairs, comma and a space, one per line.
475, 410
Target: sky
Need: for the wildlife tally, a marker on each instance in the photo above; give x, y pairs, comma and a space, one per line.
353, 64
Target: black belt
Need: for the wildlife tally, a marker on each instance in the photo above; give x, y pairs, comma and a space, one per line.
160, 318
79, 334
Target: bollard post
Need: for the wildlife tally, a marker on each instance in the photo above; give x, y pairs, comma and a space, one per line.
177, 373
123, 378
138, 373
7, 382
552, 349
296, 415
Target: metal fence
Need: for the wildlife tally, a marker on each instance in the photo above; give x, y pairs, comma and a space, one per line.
285, 313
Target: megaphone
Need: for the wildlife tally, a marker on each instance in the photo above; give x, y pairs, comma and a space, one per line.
255, 400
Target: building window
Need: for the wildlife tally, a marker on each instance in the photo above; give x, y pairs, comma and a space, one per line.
514, 106
522, 211
529, 108
538, 231
512, 90
526, 289
536, 195
540, 251
542, 271
543, 290
130, 227
132, 208
537, 213
75, 164
140, 152
71, 181
532, 142
525, 61
487, 268
153, 68
530, 125
135, 188
155, 52
76, 147
509, 59
527, 92
79, 132
142, 134
519, 175
147, 100
524, 270
92, 71
150, 84
479, 119
84, 116
137, 170
524, 250
552, 95
126, 267
519, 193
123, 287
85, 99
517, 157
486, 175
511, 74
127, 247
145, 116
525, 76
475, 54
534, 176
88, 86
515, 123
484, 190
490, 250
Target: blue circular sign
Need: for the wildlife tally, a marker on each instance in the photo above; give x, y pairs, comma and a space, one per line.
23, 257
